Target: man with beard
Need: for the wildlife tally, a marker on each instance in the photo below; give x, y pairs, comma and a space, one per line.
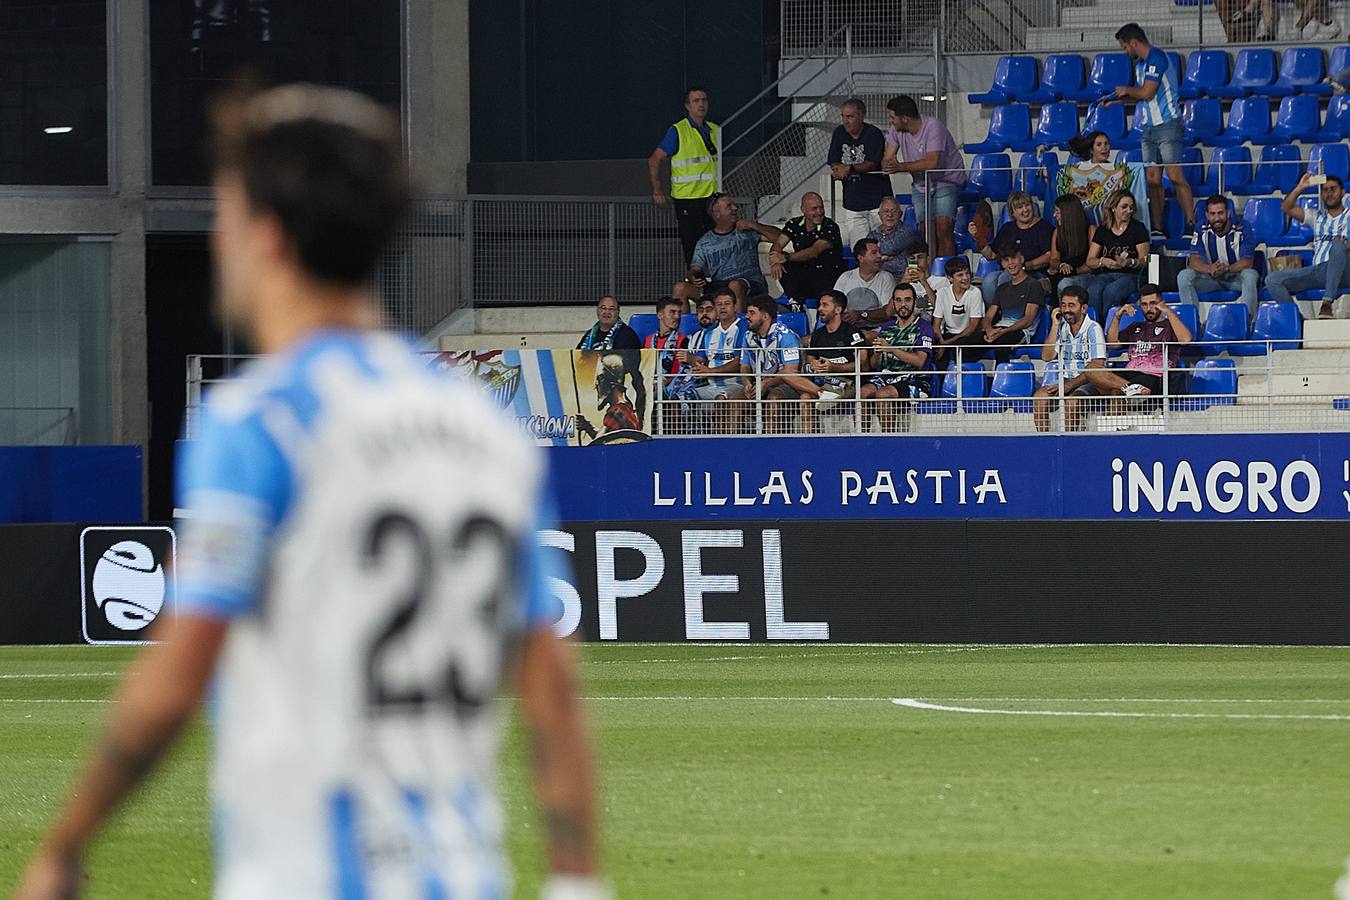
1161, 330
1079, 345
831, 357
902, 354
1330, 230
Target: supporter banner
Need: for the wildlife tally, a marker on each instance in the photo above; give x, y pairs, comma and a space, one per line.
70, 484
1229, 476
567, 398
958, 582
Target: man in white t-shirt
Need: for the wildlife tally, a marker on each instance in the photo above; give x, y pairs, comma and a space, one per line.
867, 286
958, 310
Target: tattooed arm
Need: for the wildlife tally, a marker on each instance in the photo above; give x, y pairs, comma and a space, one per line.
564, 772
159, 695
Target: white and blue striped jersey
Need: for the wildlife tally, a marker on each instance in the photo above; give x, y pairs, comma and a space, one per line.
1077, 350
720, 346
1326, 229
1228, 248
367, 527
1166, 104
768, 354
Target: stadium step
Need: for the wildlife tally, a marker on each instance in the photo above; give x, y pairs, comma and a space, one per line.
1328, 330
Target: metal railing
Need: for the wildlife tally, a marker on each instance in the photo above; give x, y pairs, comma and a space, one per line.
888, 27
1270, 395
1273, 390
459, 252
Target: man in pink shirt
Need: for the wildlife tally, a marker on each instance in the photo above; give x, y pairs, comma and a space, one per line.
923, 147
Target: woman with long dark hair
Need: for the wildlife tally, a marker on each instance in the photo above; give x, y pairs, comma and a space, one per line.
1069, 246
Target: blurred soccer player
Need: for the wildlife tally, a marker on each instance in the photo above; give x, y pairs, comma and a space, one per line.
359, 570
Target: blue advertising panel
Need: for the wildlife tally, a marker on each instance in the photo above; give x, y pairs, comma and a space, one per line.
70, 484
1269, 476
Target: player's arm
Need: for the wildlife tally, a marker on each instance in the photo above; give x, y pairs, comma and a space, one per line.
159, 694
564, 769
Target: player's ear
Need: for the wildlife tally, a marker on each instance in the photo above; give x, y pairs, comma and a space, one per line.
272, 243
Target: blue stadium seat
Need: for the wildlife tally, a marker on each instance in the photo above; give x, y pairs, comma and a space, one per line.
1297, 119
1333, 159
1009, 129
1340, 59
1125, 322
1109, 70
1264, 221
910, 218
1301, 70
644, 324
1231, 169
990, 176
1058, 124
1189, 316
1253, 68
1014, 383
1110, 120
1203, 119
1033, 349
1061, 74
1014, 79
969, 380
1030, 178
688, 323
1129, 156
964, 242
938, 266
987, 267
1248, 120
1279, 170
1051, 374
1192, 167
1213, 383
1205, 70
1336, 126
796, 321
1134, 137
1281, 323
1225, 323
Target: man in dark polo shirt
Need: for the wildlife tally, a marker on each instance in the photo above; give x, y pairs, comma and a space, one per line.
809, 256
832, 358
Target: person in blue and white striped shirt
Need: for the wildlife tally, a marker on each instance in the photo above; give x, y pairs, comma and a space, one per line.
772, 355
1077, 345
1221, 259
1331, 232
1158, 95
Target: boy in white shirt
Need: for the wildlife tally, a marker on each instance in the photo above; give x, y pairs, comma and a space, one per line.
958, 311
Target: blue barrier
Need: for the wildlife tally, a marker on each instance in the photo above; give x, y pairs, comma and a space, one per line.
70, 484
1231, 476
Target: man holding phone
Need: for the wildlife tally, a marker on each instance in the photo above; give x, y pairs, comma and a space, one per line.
1331, 230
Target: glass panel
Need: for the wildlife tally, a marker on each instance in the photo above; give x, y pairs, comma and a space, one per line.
53, 92
54, 313
196, 46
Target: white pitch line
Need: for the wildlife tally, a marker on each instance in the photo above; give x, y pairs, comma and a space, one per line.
1107, 714
55, 700
792, 657
1345, 700
26, 675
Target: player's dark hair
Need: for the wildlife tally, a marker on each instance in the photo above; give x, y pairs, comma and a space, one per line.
839, 297
857, 104
903, 105
1216, 200
918, 247
693, 89
1076, 293
1131, 32
1008, 251
906, 286
1149, 290
668, 301
1336, 178
327, 163
764, 303
860, 246
957, 264
724, 292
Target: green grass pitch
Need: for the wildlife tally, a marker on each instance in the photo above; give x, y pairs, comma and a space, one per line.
786, 771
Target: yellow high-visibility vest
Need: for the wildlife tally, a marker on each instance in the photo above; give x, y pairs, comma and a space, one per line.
693, 170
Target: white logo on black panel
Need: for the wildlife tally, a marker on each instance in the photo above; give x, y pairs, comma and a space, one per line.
125, 581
